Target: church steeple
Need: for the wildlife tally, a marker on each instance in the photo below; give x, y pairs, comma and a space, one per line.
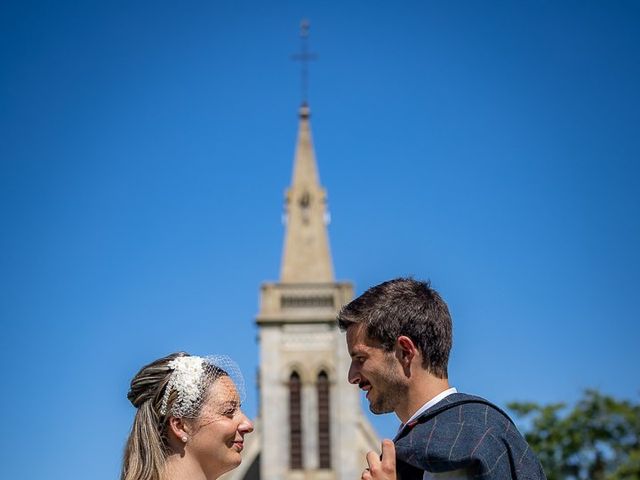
309, 424
306, 257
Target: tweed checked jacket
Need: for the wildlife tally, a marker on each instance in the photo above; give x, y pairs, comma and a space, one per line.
465, 433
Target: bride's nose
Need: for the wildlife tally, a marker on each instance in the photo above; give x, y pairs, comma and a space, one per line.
246, 426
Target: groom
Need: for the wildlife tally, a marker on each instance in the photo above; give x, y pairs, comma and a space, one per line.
399, 338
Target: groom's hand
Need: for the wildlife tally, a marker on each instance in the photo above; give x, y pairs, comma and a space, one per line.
381, 467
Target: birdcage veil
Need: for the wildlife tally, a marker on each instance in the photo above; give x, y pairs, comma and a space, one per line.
191, 379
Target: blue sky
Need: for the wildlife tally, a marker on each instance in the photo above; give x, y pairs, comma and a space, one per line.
491, 147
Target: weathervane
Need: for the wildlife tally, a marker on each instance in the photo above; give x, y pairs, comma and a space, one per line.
304, 57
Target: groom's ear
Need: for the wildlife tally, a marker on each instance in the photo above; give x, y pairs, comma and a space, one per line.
406, 350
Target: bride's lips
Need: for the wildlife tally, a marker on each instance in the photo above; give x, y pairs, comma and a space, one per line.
239, 445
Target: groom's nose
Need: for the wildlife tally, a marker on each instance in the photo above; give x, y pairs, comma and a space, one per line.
354, 374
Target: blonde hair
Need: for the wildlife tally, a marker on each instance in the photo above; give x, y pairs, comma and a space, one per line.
147, 446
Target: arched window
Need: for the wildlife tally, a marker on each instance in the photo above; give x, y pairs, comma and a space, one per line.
324, 421
295, 422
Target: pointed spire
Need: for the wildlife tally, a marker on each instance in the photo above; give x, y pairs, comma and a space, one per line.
306, 257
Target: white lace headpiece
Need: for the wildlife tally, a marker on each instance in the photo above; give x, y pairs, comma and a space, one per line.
191, 378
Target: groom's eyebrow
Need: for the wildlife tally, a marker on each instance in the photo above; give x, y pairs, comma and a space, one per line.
356, 352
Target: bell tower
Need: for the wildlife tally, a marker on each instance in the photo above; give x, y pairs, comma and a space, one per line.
310, 425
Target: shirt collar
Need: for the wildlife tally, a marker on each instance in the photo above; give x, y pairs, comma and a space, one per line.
429, 404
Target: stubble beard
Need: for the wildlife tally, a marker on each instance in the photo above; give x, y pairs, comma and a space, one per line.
388, 392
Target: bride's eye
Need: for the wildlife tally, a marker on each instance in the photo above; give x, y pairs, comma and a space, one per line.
230, 410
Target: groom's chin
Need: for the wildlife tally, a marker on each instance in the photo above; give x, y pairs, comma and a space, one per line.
379, 409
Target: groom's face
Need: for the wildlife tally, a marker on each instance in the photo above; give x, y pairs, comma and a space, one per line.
375, 371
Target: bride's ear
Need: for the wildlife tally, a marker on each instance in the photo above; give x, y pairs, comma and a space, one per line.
178, 429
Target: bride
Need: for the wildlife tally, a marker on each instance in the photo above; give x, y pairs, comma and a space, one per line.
188, 423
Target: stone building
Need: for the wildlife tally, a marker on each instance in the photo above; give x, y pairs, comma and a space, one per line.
310, 425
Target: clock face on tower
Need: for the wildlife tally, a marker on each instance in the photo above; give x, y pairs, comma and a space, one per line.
305, 202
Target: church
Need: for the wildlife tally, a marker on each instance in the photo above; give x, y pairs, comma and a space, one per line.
310, 425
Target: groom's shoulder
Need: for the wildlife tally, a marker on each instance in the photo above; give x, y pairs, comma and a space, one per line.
477, 414
467, 431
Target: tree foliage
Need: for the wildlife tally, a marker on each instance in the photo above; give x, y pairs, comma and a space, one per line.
597, 439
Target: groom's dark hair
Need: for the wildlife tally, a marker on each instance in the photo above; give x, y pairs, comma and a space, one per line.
404, 306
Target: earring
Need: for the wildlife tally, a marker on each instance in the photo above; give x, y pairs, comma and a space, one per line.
184, 438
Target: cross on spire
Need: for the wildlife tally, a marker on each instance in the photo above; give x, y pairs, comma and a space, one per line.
304, 57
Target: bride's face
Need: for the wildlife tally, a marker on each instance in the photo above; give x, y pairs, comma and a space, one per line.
219, 432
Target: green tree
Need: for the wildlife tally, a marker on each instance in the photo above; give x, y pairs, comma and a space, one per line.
597, 439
